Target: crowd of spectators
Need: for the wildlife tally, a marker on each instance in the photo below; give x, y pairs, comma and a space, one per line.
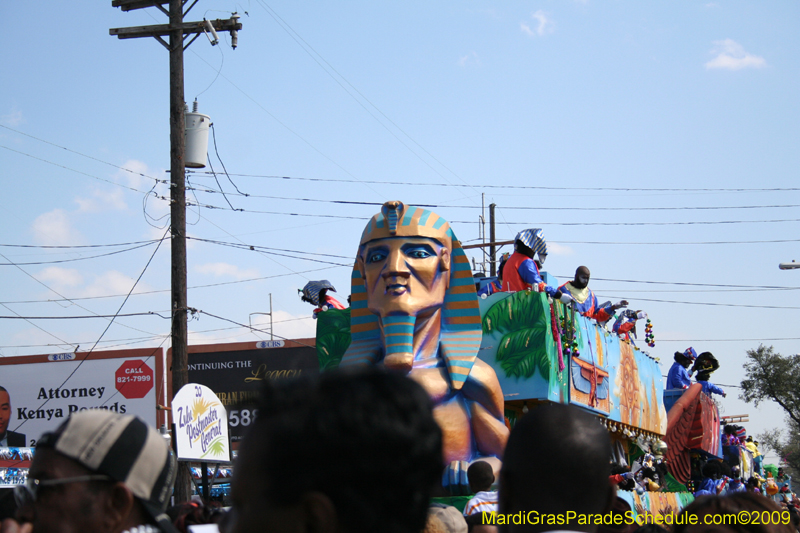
358, 451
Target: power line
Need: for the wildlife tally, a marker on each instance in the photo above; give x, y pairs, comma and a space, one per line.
109, 323
305, 46
527, 208
145, 339
266, 250
63, 342
43, 284
83, 155
56, 261
143, 293
730, 340
144, 313
685, 223
250, 327
709, 303
678, 243
530, 187
688, 284
259, 251
81, 245
73, 170
710, 290
290, 130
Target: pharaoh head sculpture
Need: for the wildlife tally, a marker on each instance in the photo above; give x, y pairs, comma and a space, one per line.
411, 269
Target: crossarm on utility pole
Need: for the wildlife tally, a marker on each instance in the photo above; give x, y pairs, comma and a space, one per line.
163, 30
130, 5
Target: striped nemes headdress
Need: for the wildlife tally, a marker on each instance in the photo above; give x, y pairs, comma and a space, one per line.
533, 238
461, 319
313, 288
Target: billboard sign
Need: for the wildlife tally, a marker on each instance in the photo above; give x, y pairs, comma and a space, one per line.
236, 372
43, 390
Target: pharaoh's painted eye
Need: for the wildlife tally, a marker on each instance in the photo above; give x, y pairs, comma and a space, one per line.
418, 251
376, 256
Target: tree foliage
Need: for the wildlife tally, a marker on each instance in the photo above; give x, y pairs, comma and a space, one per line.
770, 376
787, 448
775, 377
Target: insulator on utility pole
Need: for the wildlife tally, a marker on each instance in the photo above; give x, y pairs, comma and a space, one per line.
210, 29
234, 31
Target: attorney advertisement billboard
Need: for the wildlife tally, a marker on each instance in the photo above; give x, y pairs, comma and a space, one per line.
43, 390
236, 372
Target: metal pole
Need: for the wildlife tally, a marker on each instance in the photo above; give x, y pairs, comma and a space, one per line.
180, 359
483, 232
492, 250
271, 336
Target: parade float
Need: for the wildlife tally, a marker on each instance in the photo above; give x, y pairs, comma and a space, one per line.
538, 349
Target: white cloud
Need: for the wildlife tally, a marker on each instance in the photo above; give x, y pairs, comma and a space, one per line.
287, 325
731, 55
542, 25
54, 228
469, 59
226, 270
14, 118
558, 249
102, 201
72, 282
136, 177
60, 277
112, 282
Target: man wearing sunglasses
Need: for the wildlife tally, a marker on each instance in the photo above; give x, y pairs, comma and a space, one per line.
99, 472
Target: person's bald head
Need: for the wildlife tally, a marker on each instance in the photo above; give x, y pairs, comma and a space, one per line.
582, 276
556, 460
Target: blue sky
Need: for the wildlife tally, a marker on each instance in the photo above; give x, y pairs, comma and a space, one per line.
448, 101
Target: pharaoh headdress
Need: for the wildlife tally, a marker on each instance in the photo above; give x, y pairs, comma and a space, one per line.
461, 321
533, 238
313, 288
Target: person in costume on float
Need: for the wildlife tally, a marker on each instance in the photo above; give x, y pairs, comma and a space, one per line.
414, 310
678, 377
316, 293
521, 271
708, 387
497, 284
705, 365
758, 458
578, 292
711, 477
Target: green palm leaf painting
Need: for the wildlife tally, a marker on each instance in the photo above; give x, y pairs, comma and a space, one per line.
333, 337
523, 322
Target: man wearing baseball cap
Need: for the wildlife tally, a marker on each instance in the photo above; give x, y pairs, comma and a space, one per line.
99, 472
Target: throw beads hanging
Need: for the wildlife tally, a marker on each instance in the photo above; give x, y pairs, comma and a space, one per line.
649, 338
569, 339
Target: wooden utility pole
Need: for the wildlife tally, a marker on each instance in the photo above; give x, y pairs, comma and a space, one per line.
177, 185
176, 30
